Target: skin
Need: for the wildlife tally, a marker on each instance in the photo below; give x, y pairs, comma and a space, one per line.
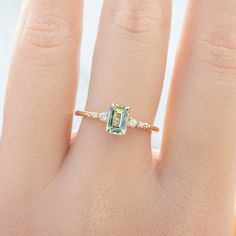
107, 185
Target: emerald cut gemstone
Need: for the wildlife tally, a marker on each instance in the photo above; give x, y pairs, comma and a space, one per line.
117, 119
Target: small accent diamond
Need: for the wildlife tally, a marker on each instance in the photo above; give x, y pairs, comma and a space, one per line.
94, 115
103, 116
133, 123
143, 125
89, 114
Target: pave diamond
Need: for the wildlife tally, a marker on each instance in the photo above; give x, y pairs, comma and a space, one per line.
133, 123
103, 116
117, 120
143, 125
94, 115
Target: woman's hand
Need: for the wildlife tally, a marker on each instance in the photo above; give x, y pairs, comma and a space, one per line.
107, 185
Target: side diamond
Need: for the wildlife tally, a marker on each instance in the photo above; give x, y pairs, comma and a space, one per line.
143, 125
133, 123
103, 116
94, 115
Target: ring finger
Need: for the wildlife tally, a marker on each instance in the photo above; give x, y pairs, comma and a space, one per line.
129, 66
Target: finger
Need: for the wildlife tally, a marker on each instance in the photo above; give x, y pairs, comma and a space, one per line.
128, 68
234, 230
73, 137
42, 86
129, 64
199, 138
133, 41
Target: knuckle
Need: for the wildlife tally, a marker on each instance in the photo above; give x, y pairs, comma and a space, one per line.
44, 30
139, 16
217, 49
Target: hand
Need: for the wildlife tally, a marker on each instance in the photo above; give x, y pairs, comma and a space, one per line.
107, 185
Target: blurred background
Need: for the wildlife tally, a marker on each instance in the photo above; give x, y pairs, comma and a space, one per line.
9, 13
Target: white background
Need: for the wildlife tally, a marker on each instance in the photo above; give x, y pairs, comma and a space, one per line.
9, 13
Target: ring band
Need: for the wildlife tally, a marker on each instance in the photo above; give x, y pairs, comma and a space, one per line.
118, 119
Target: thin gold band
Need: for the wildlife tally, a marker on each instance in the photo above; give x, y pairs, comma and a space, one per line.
96, 116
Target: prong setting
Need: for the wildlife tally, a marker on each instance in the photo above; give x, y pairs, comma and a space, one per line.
118, 119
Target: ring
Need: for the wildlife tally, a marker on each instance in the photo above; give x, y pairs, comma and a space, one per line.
118, 119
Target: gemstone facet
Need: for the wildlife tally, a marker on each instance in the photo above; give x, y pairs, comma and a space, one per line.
117, 120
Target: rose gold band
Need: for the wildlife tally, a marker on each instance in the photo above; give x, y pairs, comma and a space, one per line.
98, 116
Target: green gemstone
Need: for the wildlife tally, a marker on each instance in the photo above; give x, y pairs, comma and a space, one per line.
117, 120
